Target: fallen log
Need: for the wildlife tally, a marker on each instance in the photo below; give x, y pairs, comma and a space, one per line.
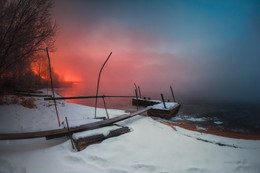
82, 142
49, 134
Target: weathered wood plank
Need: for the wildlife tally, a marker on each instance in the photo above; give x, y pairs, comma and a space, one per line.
82, 143
63, 132
162, 113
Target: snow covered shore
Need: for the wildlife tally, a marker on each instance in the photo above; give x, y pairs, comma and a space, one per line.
149, 147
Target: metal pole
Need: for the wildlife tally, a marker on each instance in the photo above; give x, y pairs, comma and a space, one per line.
98, 83
172, 94
163, 101
53, 95
105, 106
69, 132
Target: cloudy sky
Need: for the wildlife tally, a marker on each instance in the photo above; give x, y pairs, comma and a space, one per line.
203, 48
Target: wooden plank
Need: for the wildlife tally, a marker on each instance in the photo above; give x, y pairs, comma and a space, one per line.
63, 132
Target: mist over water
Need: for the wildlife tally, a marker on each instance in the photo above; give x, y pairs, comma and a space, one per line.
208, 51
237, 116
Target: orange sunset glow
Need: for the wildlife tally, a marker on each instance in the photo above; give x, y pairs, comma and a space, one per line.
153, 56
135, 58
71, 78
40, 72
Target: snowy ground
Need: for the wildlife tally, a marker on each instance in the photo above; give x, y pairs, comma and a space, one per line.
149, 147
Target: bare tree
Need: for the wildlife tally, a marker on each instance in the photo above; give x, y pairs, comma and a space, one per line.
26, 28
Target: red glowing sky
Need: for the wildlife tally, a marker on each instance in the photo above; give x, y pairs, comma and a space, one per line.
194, 48
135, 59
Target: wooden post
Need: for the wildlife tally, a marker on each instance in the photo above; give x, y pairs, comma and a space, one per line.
136, 99
139, 92
53, 95
172, 94
136, 88
105, 106
163, 101
69, 132
98, 83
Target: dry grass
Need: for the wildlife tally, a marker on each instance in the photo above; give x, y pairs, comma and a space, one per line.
4, 100
1, 100
28, 103
15, 100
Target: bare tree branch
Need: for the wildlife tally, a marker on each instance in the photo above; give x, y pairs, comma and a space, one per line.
26, 29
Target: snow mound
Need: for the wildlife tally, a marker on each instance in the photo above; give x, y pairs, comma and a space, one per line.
104, 130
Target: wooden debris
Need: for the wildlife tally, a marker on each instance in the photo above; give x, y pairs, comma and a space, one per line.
83, 142
164, 113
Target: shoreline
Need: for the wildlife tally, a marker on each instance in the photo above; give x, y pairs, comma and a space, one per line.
228, 134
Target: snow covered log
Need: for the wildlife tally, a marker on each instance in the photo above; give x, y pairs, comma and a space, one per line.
85, 138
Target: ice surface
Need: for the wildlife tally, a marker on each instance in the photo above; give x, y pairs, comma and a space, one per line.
201, 128
188, 118
196, 119
218, 122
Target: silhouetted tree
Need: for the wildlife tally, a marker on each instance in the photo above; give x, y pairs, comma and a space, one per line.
26, 28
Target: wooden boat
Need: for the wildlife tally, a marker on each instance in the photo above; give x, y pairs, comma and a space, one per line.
170, 111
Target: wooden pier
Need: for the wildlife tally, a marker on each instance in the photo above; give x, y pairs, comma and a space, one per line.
144, 102
155, 111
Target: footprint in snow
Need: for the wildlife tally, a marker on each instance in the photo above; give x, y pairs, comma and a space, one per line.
74, 160
197, 170
144, 167
97, 159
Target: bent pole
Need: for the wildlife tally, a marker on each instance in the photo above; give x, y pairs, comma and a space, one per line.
98, 83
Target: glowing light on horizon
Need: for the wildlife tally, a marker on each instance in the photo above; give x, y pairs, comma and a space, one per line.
39, 72
71, 78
